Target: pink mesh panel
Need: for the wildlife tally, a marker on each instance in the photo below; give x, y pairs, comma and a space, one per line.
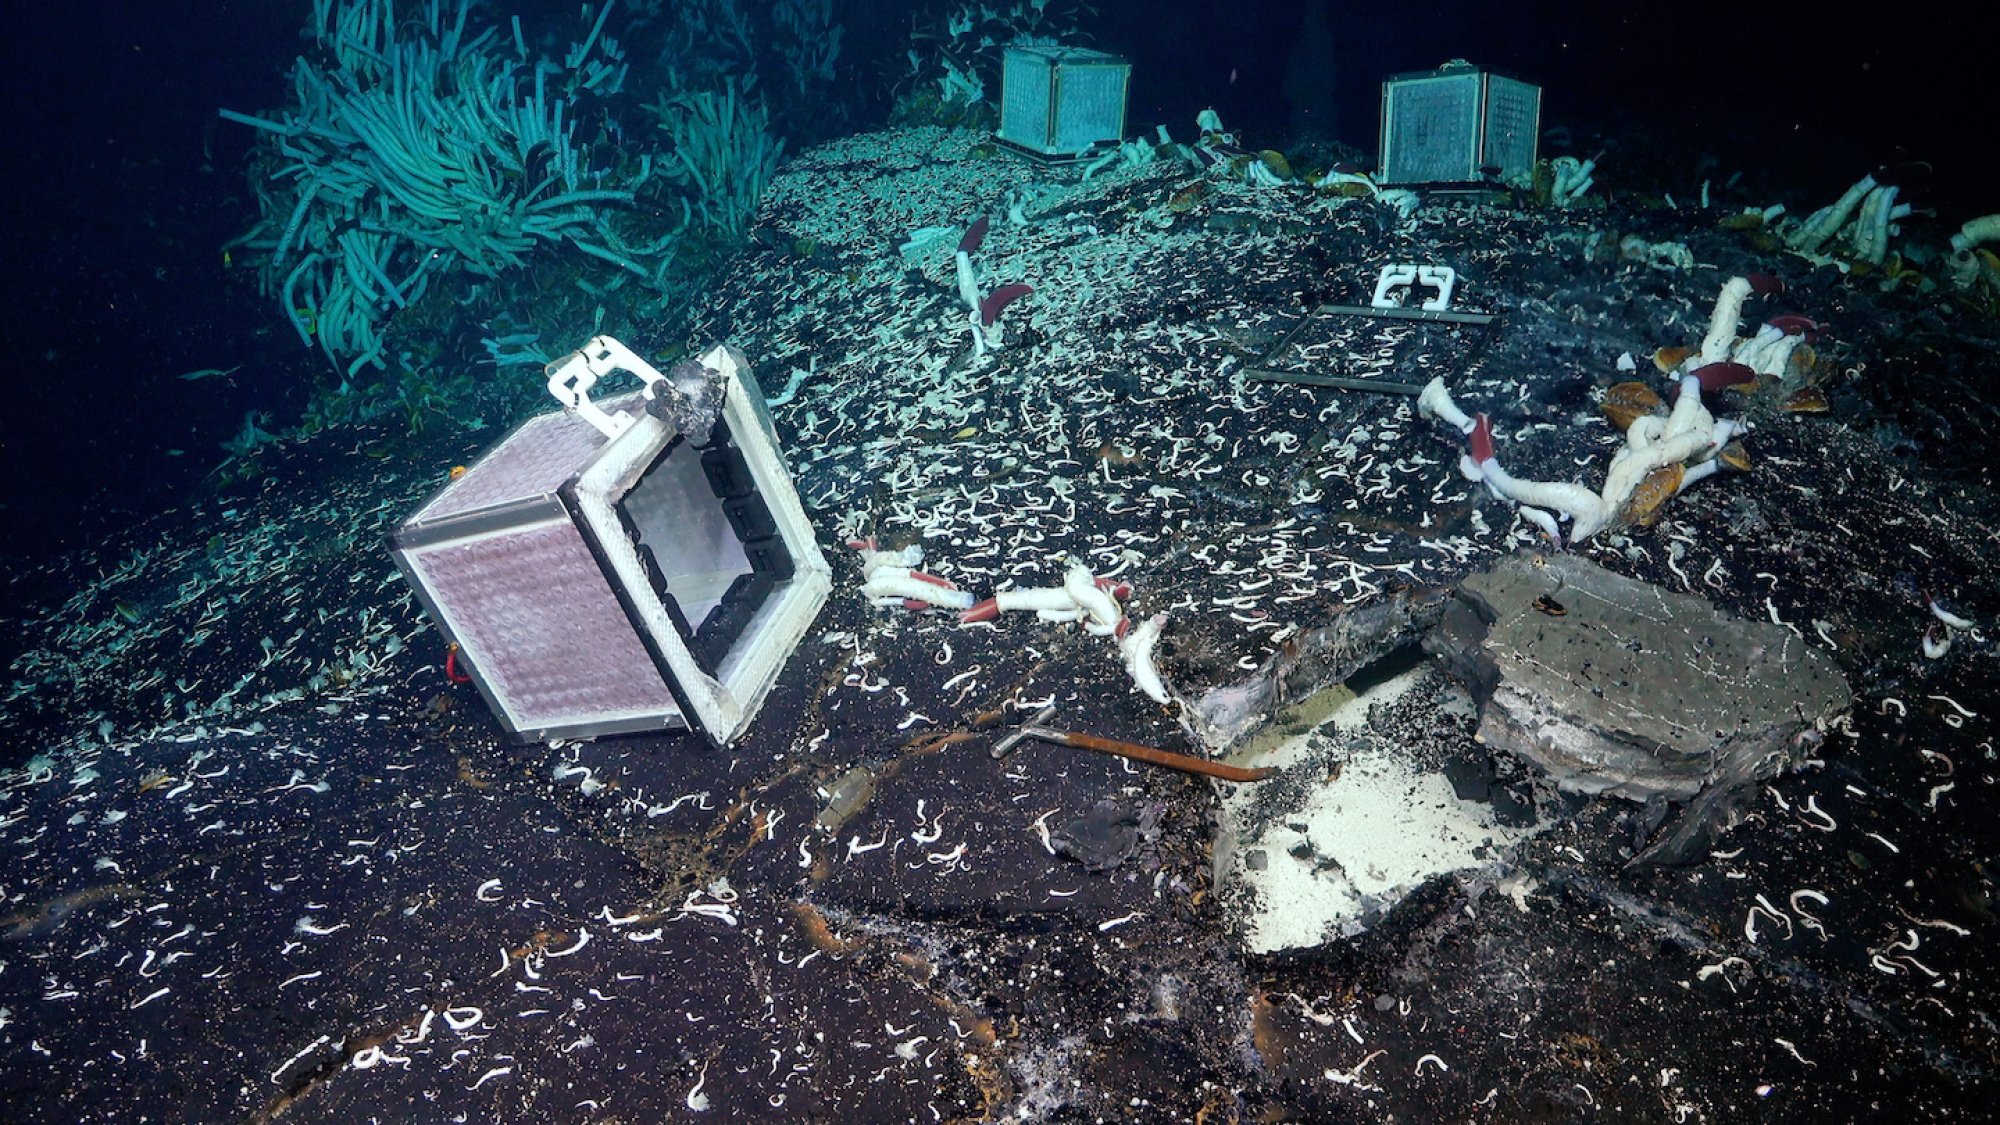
534, 460
543, 627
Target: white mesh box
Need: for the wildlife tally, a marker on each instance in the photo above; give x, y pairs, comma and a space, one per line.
603, 572
1458, 124
1062, 101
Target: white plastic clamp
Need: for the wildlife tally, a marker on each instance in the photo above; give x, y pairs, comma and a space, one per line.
572, 376
1408, 274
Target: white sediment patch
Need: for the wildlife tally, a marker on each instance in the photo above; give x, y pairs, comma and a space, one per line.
1311, 866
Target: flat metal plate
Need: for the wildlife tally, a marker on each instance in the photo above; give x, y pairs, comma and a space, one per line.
1362, 348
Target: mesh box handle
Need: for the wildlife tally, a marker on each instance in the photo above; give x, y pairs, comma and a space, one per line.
572, 376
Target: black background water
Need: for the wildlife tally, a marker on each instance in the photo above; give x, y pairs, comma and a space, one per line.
118, 184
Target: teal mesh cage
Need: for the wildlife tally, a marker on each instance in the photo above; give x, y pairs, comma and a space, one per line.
1062, 101
1458, 124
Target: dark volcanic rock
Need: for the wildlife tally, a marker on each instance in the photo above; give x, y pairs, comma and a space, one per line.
1615, 686
1108, 834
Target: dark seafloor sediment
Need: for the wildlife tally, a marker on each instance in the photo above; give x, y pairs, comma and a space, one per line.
272, 865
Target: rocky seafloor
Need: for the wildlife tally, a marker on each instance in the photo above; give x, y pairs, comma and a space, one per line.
268, 862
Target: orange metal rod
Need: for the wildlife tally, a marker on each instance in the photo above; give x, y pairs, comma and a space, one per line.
1186, 763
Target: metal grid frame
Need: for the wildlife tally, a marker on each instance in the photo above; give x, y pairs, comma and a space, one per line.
1442, 126
1038, 120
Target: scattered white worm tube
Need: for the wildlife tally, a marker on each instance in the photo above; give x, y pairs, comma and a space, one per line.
1137, 648
1948, 617
1102, 608
1986, 228
1687, 412
1823, 224
901, 582
1584, 508
1965, 267
461, 1019
1050, 598
1721, 338
1769, 352
1543, 520
1436, 402
792, 386
968, 283
873, 560
1631, 464
1954, 704
1871, 233
1051, 603
1807, 920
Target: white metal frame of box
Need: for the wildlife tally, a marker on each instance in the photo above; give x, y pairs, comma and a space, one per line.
550, 574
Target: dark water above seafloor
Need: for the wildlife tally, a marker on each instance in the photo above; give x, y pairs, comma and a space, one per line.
118, 183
